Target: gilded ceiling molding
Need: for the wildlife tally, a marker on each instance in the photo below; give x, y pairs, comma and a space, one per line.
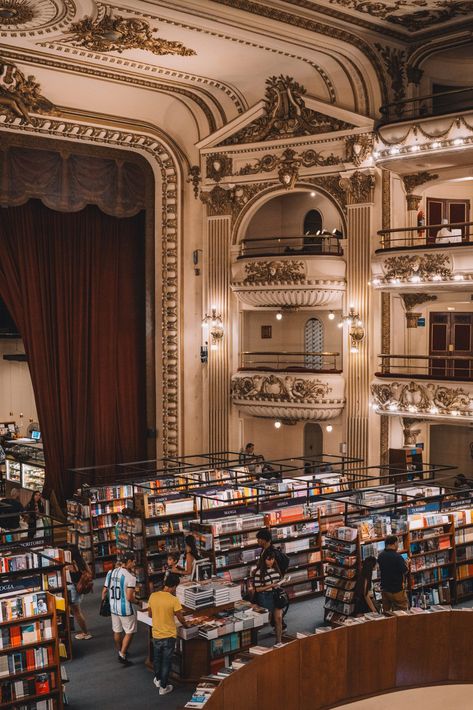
421, 398
161, 154
274, 388
116, 76
36, 17
19, 95
416, 180
117, 34
317, 27
285, 115
358, 148
230, 200
195, 178
308, 159
411, 300
247, 43
424, 265
359, 187
288, 271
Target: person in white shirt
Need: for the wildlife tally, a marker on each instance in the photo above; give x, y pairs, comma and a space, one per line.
448, 236
120, 586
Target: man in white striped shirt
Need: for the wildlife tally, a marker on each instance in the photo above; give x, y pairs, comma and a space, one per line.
120, 586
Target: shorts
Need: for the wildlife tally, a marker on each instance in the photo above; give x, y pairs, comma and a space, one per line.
74, 596
266, 600
127, 624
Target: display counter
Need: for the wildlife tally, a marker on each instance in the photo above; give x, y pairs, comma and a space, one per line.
25, 465
350, 663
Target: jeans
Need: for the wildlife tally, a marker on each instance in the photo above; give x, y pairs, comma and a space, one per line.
162, 658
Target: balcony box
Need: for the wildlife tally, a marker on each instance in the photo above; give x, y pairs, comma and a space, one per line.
302, 280
295, 396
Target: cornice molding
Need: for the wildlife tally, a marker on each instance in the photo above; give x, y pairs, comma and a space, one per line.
48, 16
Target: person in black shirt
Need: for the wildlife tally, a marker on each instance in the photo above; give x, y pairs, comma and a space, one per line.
11, 505
393, 568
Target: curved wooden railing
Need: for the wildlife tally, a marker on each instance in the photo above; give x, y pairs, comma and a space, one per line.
355, 662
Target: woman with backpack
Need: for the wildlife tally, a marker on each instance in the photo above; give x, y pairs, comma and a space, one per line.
80, 583
267, 579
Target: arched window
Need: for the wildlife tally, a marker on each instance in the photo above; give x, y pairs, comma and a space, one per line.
312, 224
313, 342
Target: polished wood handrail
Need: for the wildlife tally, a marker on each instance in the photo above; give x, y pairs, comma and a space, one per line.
422, 227
425, 97
355, 662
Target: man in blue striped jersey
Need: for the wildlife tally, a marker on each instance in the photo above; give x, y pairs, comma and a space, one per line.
120, 586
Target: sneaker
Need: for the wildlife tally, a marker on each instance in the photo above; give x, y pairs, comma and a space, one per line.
83, 637
156, 682
166, 690
278, 645
124, 661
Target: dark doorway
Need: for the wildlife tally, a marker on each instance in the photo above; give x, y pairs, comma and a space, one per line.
451, 334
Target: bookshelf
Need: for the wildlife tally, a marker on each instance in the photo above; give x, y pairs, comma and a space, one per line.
341, 558
42, 570
432, 571
129, 536
30, 668
405, 464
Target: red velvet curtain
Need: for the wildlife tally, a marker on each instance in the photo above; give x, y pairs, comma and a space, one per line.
75, 286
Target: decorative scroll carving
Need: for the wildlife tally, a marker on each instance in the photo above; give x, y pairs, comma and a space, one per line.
416, 180
19, 95
195, 178
395, 64
15, 12
272, 272
218, 166
415, 397
285, 115
230, 201
413, 15
275, 388
358, 148
359, 187
117, 34
411, 300
424, 265
269, 162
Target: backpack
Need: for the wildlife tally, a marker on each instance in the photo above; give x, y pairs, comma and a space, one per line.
282, 559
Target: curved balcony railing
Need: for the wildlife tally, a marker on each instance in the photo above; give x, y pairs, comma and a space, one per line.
438, 104
430, 235
323, 243
426, 367
290, 361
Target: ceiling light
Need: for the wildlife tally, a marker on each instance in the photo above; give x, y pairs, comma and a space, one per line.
313, 194
329, 428
279, 315
277, 424
458, 141
394, 150
435, 144
450, 308
331, 315
414, 148
458, 277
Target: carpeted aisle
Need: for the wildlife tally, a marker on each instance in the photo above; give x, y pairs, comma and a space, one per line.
98, 681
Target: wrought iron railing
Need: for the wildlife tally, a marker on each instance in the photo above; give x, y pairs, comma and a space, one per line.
428, 235
435, 367
437, 104
290, 361
304, 244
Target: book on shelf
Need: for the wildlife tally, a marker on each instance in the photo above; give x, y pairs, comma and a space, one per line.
23, 606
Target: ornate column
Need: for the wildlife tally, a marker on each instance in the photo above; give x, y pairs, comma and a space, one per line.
385, 313
359, 187
410, 432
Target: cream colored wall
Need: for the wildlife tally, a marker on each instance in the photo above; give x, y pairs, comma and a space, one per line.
450, 445
288, 333
16, 390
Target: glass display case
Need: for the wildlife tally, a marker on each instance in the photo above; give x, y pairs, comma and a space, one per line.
25, 465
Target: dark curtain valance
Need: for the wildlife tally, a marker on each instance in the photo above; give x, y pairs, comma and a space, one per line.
68, 182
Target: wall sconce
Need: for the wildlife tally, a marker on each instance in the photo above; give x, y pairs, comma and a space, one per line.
356, 331
214, 324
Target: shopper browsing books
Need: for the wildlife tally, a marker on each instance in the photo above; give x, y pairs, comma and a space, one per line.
10, 520
75, 570
393, 569
163, 609
266, 580
35, 512
363, 600
172, 565
189, 556
120, 584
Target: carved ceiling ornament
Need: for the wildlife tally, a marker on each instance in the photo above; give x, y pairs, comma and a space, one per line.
277, 388
416, 180
419, 398
19, 95
16, 12
218, 166
117, 34
412, 15
426, 266
272, 272
359, 187
411, 300
195, 178
285, 115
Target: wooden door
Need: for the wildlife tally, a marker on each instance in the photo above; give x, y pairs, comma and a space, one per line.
453, 210
451, 334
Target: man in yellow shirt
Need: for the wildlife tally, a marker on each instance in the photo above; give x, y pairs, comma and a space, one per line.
163, 608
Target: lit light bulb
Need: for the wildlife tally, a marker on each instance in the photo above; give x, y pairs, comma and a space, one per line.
393, 407
434, 410
376, 154
458, 277
313, 194
394, 150
376, 282
354, 349
414, 148
458, 141
279, 315
340, 325
435, 144
331, 315
329, 428
277, 424
454, 413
